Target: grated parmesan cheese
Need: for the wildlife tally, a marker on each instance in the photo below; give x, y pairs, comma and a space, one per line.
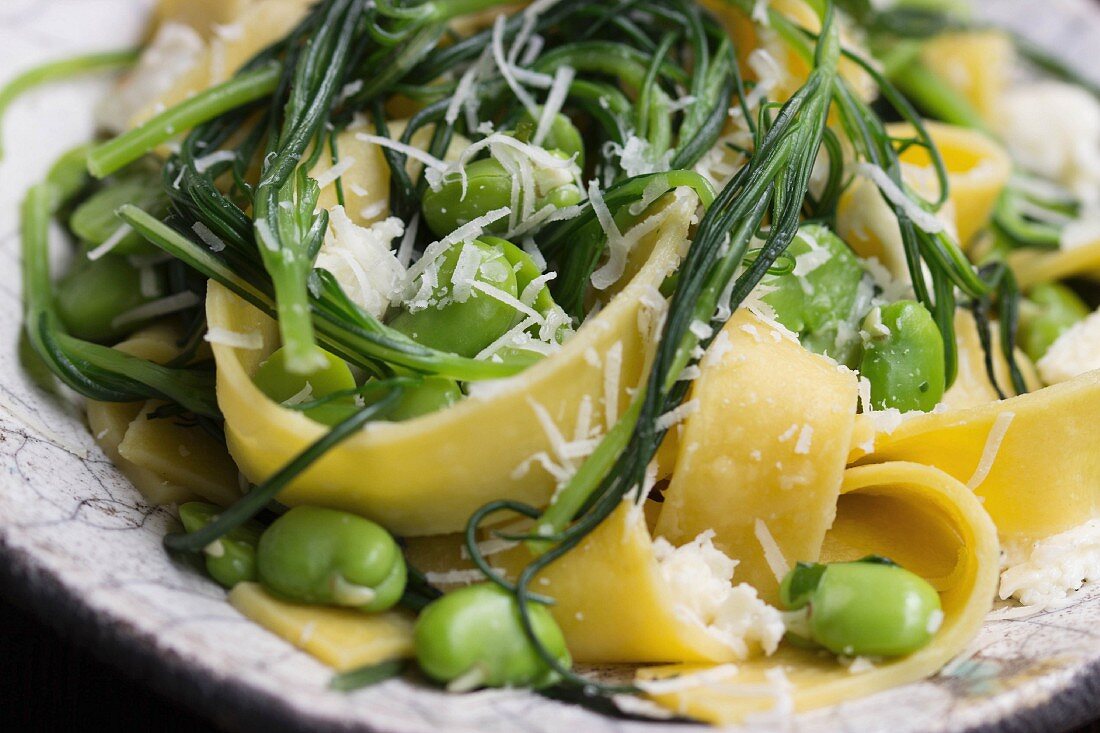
989, 451
1044, 574
1073, 353
773, 555
700, 576
156, 308
253, 340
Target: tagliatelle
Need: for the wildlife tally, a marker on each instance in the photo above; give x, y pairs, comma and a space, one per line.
480, 449
978, 64
768, 444
154, 451
344, 639
1012, 472
1038, 266
972, 386
977, 170
259, 25
918, 515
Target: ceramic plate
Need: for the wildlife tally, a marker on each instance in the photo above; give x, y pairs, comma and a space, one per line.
78, 543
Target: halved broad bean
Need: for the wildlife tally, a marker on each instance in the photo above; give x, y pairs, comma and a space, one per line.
473, 637
869, 607
282, 385
457, 316
903, 357
488, 187
818, 300
563, 135
432, 394
230, 559
95, 295
94, 221
317, 555
1049, 310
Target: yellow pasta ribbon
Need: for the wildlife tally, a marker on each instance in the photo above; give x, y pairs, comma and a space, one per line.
978, 64
156, 455
1030, 459
919, 516
426, 476
768, 444
1036, 266
342, 638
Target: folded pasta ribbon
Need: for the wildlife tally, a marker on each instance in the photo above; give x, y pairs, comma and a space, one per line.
917, 515
428, 475
1031, 459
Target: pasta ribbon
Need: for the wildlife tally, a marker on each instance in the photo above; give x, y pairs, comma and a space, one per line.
1037, 266
977, 64
486, 447
972, 386
1030, 459
768, 444
260, 24
921, 517
152, 453
785, 69
342, 638
977, 170
202, 15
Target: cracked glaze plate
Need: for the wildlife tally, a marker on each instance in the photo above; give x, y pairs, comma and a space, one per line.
78, 543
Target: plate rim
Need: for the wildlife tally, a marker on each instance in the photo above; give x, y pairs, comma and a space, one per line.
237, 706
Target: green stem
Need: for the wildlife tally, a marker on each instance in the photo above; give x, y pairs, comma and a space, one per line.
359, 346
62, 69
119, 152
937, 98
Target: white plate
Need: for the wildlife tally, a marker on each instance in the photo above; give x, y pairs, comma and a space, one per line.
78, 543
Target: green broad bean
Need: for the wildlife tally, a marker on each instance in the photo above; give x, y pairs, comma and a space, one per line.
317, 555
562, 136
1049, 310
819, 300
526, 272
281, 385
489, 187
903, 357
230, 559
467, 323
430, 395
474, 637
870, 607
94, 221
93, 298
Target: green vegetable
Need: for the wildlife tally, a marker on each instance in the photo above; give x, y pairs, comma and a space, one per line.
467, 321
431, 395
1049, 310
562, 136
870, 607
488, 186
317, 555
903, 357
280, 384
94, 297
474, 637
95, 220
230, 559
821, 304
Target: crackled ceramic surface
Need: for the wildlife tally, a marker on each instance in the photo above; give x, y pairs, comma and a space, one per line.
79, 542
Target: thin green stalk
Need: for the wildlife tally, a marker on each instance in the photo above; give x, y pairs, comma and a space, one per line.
95, 371
243, 89
256, 500
58, 70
